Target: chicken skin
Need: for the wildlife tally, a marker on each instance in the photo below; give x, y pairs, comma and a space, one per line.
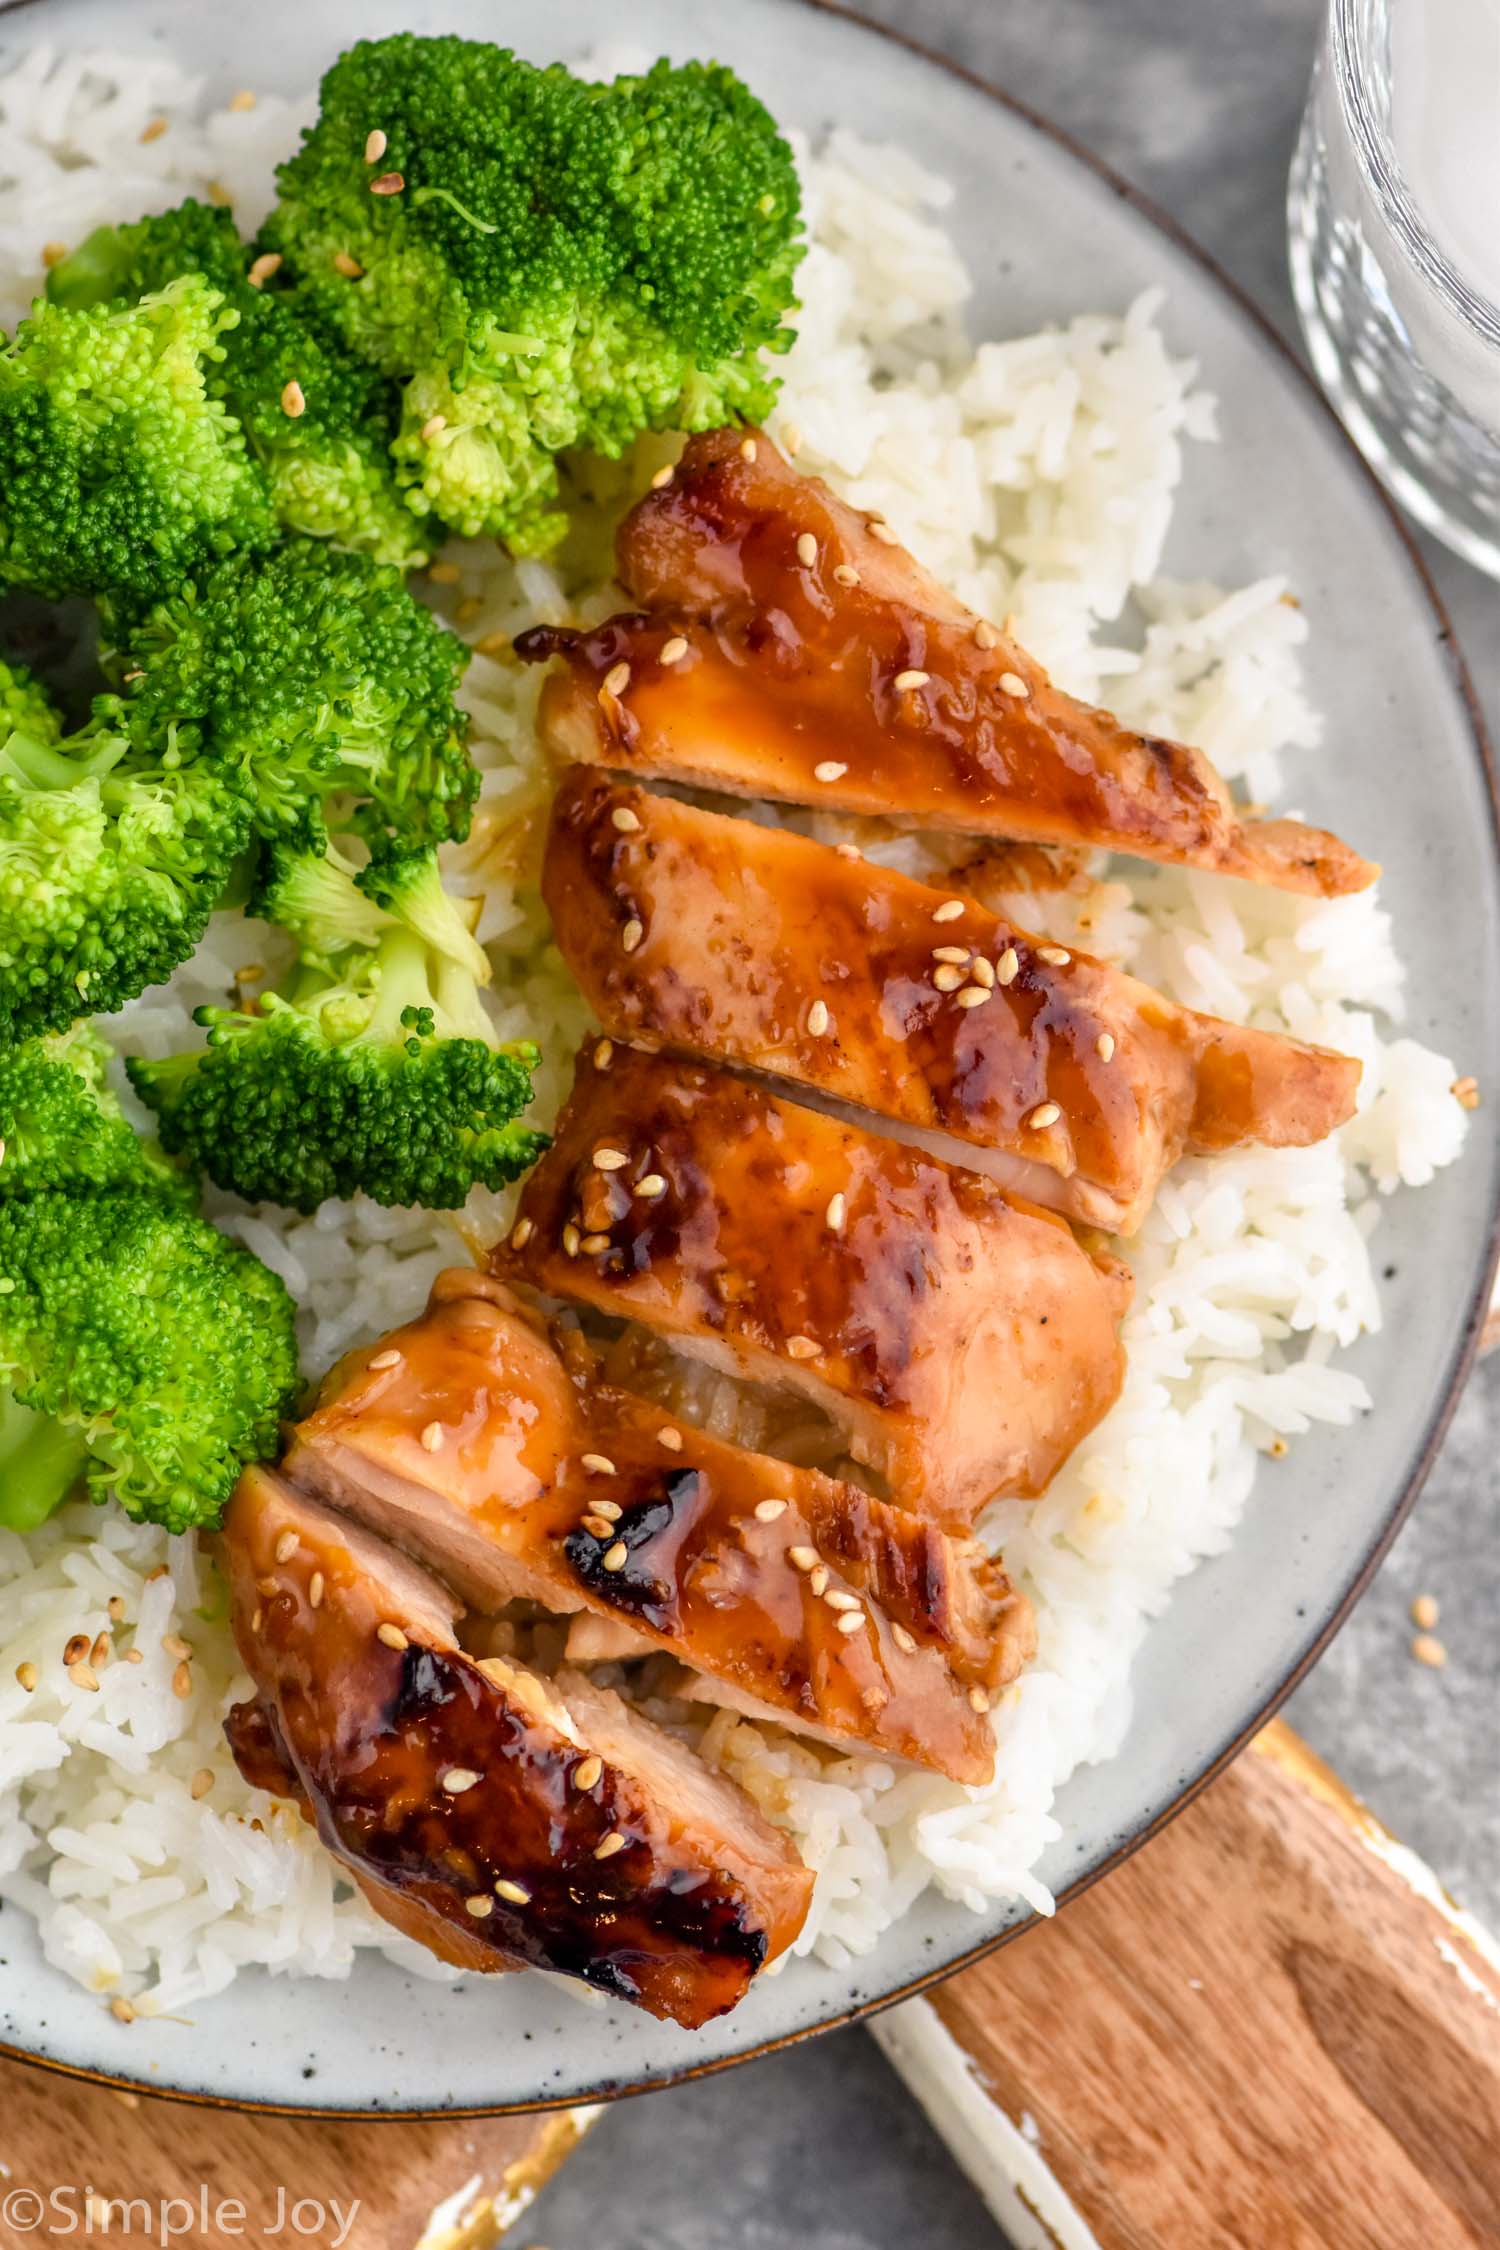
466, 1440
504, 1820
746, 945
964, 1342
785, 647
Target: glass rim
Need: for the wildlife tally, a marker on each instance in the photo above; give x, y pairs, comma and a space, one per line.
1378, 158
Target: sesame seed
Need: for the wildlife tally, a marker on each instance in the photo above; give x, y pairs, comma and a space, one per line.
837, 1598
599, 1526
154, 131
158, 1570
625, 820
134, 1655
516, 1893
1008, 965
903, 1640
75, 1648
570, 1240
879, 529
818, 1578
616, 1557
286, 1547
243, 100
674, 650
612, 1843
392, 1636
949, 911
956, 955
261, 268
431, 1439
28, 1676
791, 439
850, 1622
1428, 1649
663, 477
376, 145
907, 682
444, 573
1424, 1611
670, 1438
350, 268
84, 1676
121, 2010
257, 1619
972, 996
478, 1905
182, 1682
386, 1359
747, 449
766, 1511
983, 973
985, 635
807, 548
1013, 684
175, 1645
598, 1464
216, 192
521, 1233
609, 1509
617, 679
594, 1245
201, 1783
818, 1018
1045, 1114
604, 1054
947, 978
829, 769
849, 851
802, 1558
1104, 1046
433, 427
53, 253
837, 1212
631, 935
653, 1185
315, 1589
801, 1347
1055, 956
293, 399
1465, 1092
610, 1160
115, 1607
587, 1772
845, 574
457, 1779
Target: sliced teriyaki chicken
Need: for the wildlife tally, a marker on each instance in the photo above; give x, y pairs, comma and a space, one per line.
465, 1439
963, 1341
786, 647
736, 943
504, 1820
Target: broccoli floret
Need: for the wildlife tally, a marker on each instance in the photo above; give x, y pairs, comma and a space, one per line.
110, 865
118, 468
544, 262
331, 906
61, 1124
388, 1082
24, 707
327, 464
302, 674
168, 1350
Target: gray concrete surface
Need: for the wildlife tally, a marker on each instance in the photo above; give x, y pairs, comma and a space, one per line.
1199, 106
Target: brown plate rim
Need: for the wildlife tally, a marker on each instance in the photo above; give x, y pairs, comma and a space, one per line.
1442, 1415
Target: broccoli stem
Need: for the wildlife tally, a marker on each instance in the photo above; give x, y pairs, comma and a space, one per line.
37, 765
40, 1462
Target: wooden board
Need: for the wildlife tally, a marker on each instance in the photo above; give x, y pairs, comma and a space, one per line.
1266, 2029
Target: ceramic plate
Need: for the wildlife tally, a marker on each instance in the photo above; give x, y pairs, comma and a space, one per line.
1045, 236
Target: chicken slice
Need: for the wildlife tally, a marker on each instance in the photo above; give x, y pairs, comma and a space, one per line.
963, 1341
789, 650
465, 1439
503, 1820
752, 946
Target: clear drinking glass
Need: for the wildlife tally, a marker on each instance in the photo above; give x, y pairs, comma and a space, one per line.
1393, 214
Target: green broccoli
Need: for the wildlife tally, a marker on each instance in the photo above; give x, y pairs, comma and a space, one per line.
300, 675
164, 1349
61, 1124
386, 1081
545, 263
119, 471
110, 865
331, 906
319, 421
25, 707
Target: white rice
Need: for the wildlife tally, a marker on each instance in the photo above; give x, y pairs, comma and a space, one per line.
1037, 476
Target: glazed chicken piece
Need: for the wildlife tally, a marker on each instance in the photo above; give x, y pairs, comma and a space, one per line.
465, 1439
787, 648
964, 1342
503, 1820
752, 946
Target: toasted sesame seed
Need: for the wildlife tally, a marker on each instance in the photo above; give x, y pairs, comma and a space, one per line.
521, 1233
837, 1598
850, 1622
587, 1772
376, 145
516, 1893
201, 1783
652, 1186
315, 1590
1465, 1092
879, 529
663, 477
158, 1570
631, 935
818, 1018
907, 682
433, 427
609, 1509
75, 1648
154, 130
747, 449
243, 100
604, 1054
670, 1438
392, 1636
599, 1526
903, 1640
444, 573
261, 268
818, 1578
1013, 684
972, 996
350, 268
849, 851
84, 1676
1104, 1046
479, 1906
53, 253
286, 1547
801, 1347
617, 679
845, 574
115, 1607
1428, 1649
829, 769
293, 399
983, 973
135, 1656
598, 1464
121, 2009
1008, 965
1045, 1114
182, 1682
955, 955
947, 978
791, 439
985, 635
218, 193
978, 1700
802, 1558
1055, 956
385, 1359
457, 1779
28, 1675
766, 1511
837, 1212
610, 1159
612, 1843
175, 1645
949, 911
625, 820
1424, 1611
674, 650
